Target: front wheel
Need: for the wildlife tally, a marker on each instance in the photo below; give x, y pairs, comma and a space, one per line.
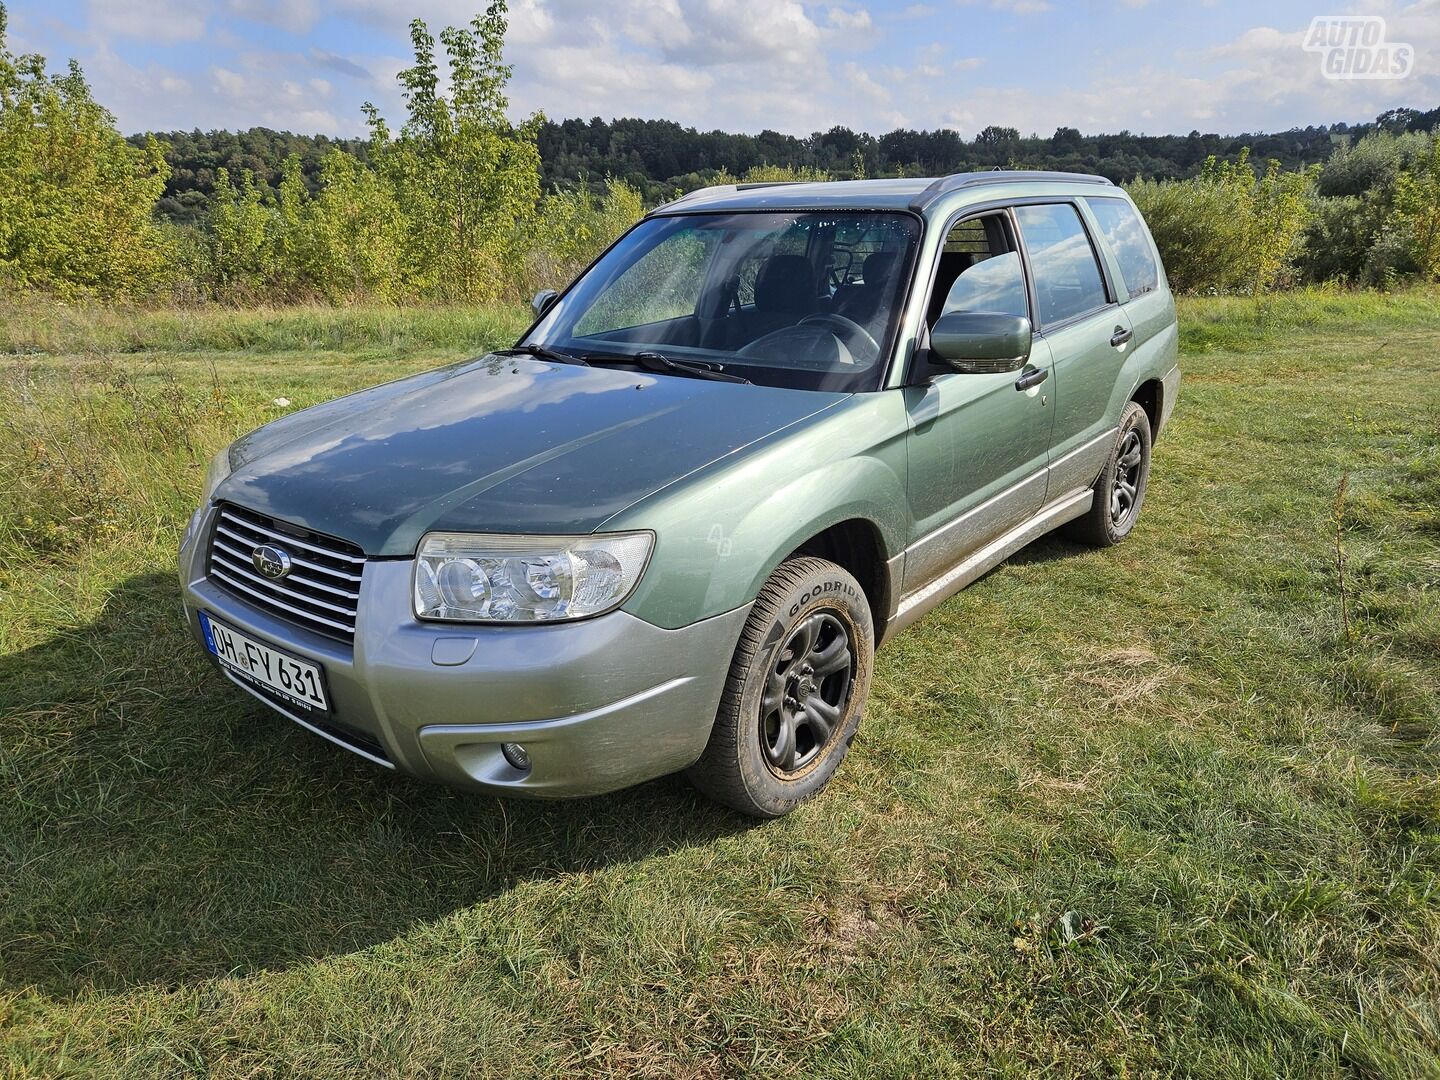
797, 685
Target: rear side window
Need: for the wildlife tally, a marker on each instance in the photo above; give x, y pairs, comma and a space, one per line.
1067, 277
1125, 233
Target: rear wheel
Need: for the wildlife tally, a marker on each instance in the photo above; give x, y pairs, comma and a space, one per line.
793, 699
1120, 490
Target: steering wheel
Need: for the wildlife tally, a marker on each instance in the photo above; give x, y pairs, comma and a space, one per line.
844, 328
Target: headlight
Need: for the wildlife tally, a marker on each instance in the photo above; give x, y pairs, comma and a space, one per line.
473, 577
215, 474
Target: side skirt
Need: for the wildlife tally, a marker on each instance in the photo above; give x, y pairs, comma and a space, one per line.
978, 562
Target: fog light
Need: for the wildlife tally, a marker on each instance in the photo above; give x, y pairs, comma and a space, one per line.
515, 754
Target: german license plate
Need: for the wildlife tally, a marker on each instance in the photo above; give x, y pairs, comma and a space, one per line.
289, 678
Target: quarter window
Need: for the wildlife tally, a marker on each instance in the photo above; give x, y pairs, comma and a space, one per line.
1125, 233
1067, 276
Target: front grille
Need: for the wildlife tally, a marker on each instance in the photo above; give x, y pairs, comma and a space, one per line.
322, 590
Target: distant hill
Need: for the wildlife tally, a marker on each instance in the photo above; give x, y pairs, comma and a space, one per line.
659, 156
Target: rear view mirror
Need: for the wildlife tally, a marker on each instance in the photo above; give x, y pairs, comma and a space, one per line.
976, 342
542, 301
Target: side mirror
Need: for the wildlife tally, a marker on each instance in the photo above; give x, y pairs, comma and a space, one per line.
542, 301
978, 342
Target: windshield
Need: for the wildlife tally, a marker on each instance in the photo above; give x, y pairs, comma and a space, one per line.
806, 299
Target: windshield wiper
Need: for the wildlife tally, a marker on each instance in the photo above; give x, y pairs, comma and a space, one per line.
659, 362
541, 352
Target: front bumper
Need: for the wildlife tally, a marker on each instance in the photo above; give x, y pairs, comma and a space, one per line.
598, 704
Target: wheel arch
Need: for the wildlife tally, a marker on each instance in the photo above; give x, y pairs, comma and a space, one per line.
1150, 396
857, 546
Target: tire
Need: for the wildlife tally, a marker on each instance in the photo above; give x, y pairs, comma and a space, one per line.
1121, 486
767, 754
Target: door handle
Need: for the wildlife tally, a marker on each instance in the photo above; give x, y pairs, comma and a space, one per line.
1121, 336
1031, 376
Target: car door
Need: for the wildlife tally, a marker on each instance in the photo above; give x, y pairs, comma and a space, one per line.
1135, 272
977, 445
1088, 335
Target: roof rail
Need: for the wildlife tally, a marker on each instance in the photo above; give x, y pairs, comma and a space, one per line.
767, 183
956, 181
693, 194
747, 186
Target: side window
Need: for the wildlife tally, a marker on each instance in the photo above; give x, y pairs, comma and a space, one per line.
1067, 275
664, 283
1126, 235
979, 271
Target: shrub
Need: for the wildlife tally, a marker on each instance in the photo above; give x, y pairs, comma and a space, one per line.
1372, 165
1228, 230
570, 230
242, 234
1340, 237
75, 197
1417, 209
355, 233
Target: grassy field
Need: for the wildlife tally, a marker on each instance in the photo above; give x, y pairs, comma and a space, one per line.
1172, 808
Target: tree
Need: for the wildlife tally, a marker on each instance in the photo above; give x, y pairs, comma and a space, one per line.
75, 197
463, 176
1066, 140
1417, 209
242, 235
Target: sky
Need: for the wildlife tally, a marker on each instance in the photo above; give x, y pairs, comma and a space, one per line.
1149, 66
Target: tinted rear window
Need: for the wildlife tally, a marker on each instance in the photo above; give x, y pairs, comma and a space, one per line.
1125, 233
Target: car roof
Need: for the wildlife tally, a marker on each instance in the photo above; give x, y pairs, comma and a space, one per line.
917, 194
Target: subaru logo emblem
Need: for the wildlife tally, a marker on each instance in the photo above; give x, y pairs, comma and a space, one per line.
272, 562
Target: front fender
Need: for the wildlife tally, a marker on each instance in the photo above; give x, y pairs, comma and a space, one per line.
723, 531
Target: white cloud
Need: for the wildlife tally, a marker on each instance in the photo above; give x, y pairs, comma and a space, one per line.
164, 21
296, 16
1015, 7
859, 19
730, 64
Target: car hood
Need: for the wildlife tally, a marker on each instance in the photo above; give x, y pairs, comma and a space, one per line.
499, 444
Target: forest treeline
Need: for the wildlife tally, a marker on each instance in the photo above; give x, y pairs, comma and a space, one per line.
461, 203
659, 157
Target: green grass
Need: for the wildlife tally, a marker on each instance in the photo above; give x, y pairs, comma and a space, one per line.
1131, 812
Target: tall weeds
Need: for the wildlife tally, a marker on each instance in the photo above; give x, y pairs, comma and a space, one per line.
81, 452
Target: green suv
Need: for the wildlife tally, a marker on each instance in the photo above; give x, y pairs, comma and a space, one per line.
773, 425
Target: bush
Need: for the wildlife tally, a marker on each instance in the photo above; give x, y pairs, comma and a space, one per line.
75, 198
464, 177
1372, 165
1228, 230
1197, 231
1340, 238
1417, 209
570, 230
